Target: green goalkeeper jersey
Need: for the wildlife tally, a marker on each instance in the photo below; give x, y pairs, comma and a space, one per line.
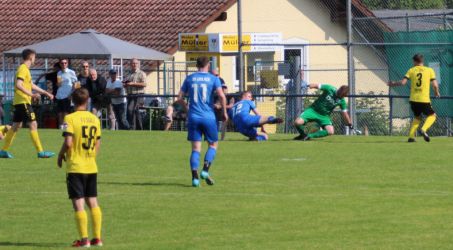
328, 100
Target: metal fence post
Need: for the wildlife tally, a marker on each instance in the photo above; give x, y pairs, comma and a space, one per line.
240, 52
391, 115
351, 80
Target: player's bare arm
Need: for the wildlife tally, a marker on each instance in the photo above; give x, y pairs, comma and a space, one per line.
98, 146
395, 84
67, 144
41, 91
347, 118
435, 85
222, 100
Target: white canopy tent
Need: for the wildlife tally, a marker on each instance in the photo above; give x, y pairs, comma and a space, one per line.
88, 44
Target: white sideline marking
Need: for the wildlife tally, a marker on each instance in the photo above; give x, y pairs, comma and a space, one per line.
293, 159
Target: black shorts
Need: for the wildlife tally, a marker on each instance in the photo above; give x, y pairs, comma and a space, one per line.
23, 113
81, 185
64, 105
420, 108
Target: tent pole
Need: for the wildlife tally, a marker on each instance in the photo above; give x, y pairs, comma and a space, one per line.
111, 62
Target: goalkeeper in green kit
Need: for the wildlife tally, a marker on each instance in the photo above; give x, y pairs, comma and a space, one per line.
320, 111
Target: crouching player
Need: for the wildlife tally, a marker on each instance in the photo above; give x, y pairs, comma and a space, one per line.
200, 88
321, 109
247, 124
82, 135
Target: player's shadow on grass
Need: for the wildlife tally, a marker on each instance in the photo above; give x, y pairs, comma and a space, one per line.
145, 184
31, 244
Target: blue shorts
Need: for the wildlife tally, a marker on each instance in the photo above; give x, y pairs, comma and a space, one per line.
197, 127
247, 125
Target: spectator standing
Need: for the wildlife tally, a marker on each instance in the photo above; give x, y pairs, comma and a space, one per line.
66, 78
84, 74
96, 85
115, 88
135, 86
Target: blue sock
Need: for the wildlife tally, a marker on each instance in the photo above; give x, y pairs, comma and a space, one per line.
209, 158
194, 160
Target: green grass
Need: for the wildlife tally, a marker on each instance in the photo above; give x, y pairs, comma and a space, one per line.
335, 193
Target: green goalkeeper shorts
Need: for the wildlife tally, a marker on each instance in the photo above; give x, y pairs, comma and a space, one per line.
310, 115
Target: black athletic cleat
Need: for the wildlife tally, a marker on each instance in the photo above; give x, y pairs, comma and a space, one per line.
425, 135
299, 137
306, 138
411, 140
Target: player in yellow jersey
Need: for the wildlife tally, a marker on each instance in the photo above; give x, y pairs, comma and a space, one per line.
3, 130
421, 78
82, 133
23, 112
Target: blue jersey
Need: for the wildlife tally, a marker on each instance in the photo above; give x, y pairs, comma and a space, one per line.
200, 88
242, 108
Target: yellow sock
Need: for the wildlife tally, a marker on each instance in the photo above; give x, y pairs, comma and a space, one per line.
96, 216
414, 127
82, 223
429, 122
35, 138
9, 138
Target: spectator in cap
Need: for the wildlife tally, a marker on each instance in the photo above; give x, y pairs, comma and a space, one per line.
115, 88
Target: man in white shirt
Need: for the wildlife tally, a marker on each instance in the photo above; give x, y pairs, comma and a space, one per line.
65, 80
115, 88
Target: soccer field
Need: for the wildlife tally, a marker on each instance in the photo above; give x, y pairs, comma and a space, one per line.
336, 193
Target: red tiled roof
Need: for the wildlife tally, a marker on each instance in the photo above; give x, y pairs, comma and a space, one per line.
150, 23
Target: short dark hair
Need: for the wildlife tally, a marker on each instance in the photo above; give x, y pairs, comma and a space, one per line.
202, 62
245, 92
26, 53
63, 58
80, 96
343, 90
418, 58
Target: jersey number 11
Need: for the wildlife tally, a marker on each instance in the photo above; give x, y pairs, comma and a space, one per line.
204, 91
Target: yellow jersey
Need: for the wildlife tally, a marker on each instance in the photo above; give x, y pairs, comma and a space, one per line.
23, 73
85, 129
420, 77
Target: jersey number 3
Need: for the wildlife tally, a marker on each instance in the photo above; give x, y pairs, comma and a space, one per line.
204, 91
88, 133
419, 80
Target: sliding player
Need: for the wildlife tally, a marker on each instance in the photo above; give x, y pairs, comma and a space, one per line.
421, 78
245, 123
320, 111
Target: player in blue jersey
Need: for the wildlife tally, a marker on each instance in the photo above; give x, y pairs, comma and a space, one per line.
201, 120
247, 124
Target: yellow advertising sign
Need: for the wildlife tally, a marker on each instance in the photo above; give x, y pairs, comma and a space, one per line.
194, 42
230, 43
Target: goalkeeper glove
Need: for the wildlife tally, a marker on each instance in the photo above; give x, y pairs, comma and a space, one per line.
351, 127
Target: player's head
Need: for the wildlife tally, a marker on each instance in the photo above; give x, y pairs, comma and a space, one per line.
64, 63
29, 55
247, 95
225, 89
203, 63
80, 97
343, 91
418, 59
